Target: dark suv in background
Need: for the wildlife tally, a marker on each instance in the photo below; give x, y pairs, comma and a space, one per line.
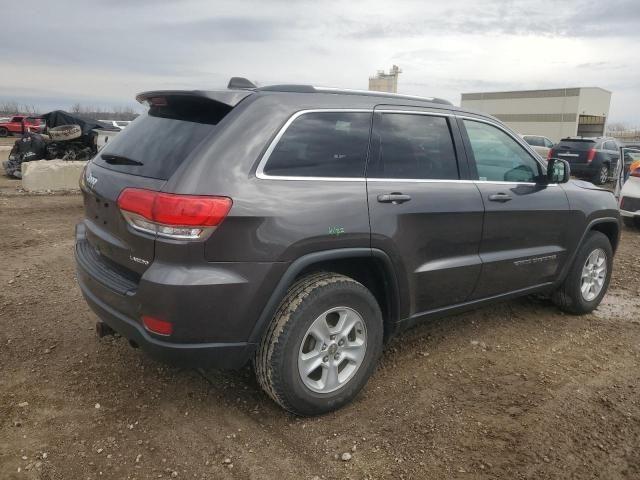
299, 228
592, 158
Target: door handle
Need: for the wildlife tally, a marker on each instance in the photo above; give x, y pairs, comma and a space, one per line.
500, 197
395, 198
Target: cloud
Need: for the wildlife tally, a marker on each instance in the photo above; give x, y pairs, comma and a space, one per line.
110, 49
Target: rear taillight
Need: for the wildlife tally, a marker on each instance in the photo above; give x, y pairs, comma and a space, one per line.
591, 154
155, 325
551, 154
185, 217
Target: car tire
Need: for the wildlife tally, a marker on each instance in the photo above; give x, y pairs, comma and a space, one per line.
570, 297
318, 301
630, 222
4, 132
602, 176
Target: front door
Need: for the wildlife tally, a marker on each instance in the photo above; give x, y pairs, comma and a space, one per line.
525, 227
421, 213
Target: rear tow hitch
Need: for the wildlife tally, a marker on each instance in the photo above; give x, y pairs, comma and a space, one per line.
103, 330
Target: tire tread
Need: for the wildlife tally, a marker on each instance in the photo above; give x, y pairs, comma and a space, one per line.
266, 355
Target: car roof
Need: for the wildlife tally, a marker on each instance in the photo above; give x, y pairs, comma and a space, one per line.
309, 97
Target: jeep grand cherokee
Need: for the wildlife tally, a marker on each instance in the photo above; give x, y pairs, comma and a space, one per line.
299, 228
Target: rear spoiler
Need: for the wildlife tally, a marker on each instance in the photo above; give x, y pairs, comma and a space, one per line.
227, 97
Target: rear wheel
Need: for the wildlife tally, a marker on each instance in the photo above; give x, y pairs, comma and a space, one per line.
322, 345
602, 176
588, 277
4, 132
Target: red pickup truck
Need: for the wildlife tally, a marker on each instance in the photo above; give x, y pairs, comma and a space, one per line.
16, 124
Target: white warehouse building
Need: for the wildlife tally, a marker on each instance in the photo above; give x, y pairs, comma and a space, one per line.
554, 113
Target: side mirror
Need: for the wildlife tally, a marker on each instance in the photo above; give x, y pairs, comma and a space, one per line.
558, 171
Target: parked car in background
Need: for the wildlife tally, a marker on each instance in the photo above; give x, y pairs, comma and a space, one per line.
194, 246
19, 124
593, 158
119, 124
541, 145
630, 192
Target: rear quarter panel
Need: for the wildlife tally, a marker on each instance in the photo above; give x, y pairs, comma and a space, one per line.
271, 220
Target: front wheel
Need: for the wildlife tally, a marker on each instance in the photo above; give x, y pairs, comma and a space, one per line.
4, 132
588, 277
322, 345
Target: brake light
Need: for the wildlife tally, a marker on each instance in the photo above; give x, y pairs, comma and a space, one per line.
155, 325
591, 154
173, 216
551, 154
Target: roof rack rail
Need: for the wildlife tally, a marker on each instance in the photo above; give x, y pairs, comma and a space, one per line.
346, 91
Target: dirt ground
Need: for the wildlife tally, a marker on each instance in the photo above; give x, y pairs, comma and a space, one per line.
513, 391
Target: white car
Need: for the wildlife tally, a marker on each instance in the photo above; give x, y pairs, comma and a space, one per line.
119, 124
541, 145
628, 187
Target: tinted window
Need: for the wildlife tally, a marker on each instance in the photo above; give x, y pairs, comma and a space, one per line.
156, 143
322, 144
576, 144
498, 157
534, 141
548, 143
610, 146
412, 146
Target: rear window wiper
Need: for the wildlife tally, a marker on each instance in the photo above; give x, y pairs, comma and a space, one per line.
120, 160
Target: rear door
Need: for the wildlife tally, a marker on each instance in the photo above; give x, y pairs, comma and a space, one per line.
145, 155
424, 211
524, 239
612, 155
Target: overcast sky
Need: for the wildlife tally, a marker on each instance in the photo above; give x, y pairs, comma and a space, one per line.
102, 52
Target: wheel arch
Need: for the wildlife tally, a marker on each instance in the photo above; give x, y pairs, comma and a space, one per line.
609, 226
371, 267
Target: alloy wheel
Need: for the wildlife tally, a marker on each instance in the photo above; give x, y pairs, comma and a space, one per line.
332, 350
594, 273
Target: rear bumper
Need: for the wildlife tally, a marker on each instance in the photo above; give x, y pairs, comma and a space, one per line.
213, 307
194, 355
624, 213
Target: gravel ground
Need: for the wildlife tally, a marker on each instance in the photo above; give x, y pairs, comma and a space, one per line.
517, 390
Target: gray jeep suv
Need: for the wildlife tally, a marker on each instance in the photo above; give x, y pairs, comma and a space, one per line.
299, 228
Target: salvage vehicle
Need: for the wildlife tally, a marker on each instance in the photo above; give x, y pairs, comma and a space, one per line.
299, 228
19, 124
595, 158
67, 137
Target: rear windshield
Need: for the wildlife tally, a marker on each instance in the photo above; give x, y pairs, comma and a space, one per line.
576, 144
157, 142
